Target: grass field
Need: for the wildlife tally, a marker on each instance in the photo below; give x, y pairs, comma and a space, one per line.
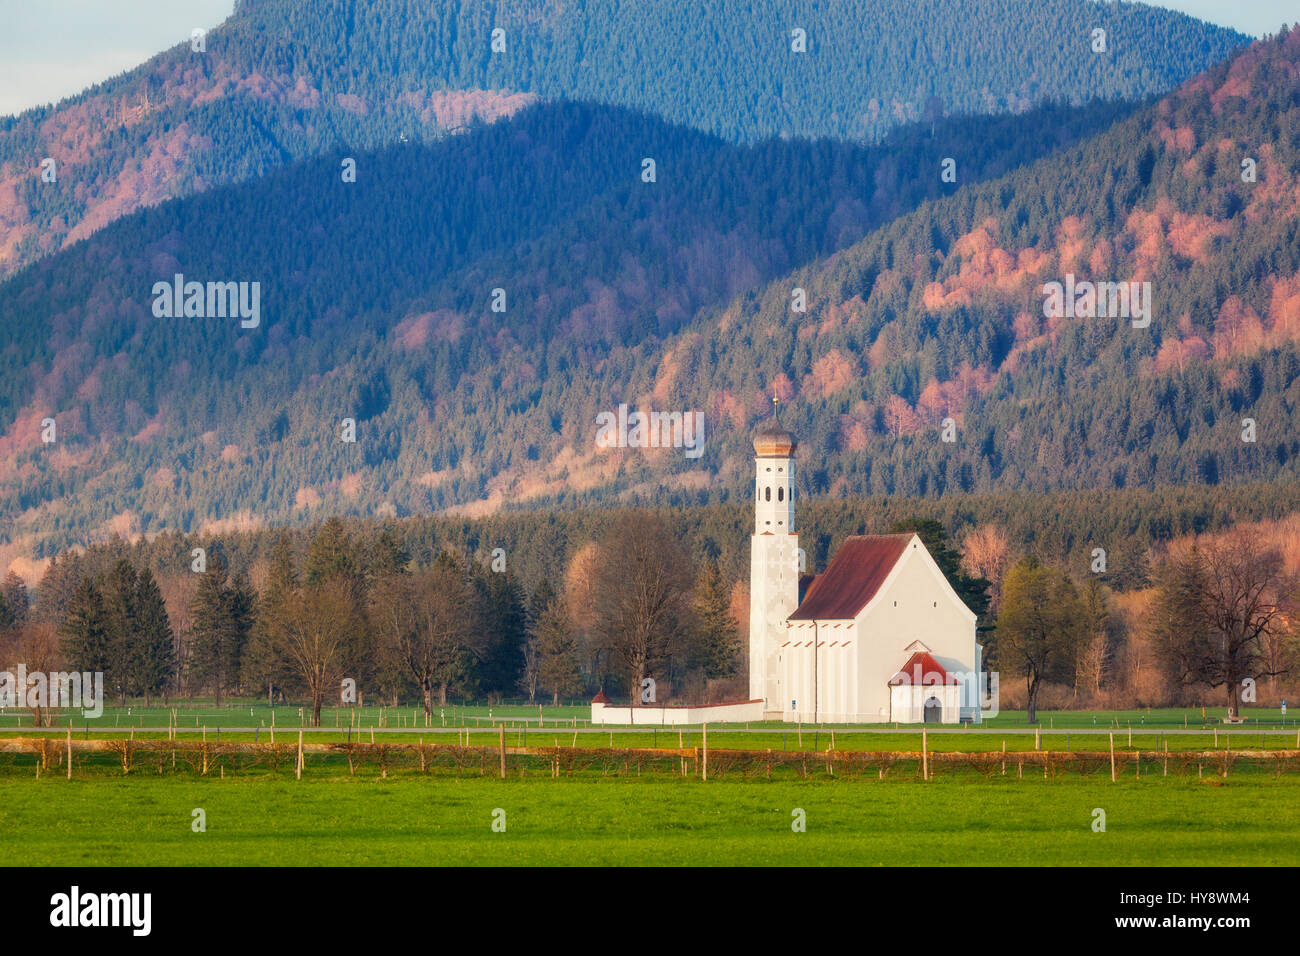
644, 821
337, 815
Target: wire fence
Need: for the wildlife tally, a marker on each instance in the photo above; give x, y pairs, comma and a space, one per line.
69, 757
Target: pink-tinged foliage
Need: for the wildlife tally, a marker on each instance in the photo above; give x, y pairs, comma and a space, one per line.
830, 373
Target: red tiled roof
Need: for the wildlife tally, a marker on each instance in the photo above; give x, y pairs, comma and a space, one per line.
600, 698
922, 669
853, 578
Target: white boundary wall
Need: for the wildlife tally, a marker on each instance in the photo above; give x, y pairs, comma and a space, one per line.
651, 716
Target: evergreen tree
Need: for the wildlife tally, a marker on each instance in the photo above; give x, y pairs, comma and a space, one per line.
119, 589
388, 556
220, 616
973, 591
155, 655
331, 554
85, 629
264, 665
504, 620
717, 634
558, 670
14, 600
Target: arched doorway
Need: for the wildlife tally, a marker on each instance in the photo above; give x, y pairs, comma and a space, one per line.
933, 711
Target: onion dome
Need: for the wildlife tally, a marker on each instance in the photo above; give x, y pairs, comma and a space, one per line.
773, 441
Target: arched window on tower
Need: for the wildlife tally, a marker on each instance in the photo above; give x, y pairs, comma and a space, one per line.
767, 494
780, 494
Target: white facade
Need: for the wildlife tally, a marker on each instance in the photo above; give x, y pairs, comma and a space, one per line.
909, 703
846, 677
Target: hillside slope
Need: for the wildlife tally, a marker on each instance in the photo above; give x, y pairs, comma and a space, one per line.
282, 81
947, 313
375, 303
676, 295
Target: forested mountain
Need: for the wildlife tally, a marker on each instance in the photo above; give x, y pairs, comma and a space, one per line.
282, 81
376, 304
944, 314
377, 298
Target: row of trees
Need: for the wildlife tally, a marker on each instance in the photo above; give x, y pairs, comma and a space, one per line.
1223, 614
634, 601
632, 606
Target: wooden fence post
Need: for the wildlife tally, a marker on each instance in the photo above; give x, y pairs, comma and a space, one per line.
1112, 756
502, 728
925, 759
705, 765
69, 752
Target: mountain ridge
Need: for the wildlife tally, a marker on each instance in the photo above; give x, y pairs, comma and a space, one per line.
280, 82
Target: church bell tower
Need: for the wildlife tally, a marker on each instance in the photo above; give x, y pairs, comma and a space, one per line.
774, 563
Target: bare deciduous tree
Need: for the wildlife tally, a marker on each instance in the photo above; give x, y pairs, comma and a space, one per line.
986, 553
557, 652
1093, 656
427, 621
641, 595
318, 622
1217, 605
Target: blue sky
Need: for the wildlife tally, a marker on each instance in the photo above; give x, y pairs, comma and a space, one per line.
54, 48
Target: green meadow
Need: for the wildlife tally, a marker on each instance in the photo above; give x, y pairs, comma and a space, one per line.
651, 821
607, 813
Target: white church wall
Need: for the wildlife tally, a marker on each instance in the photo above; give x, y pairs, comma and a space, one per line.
914, 604
832, 675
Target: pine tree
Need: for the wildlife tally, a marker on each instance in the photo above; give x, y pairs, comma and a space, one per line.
717, 634
14, 600
388, 556
119, 590
503, 617
221, 613
84, 629
331, 554
264, 663
974, 592
557, 652
155, 654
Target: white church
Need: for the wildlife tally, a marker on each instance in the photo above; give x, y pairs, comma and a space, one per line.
879, 636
